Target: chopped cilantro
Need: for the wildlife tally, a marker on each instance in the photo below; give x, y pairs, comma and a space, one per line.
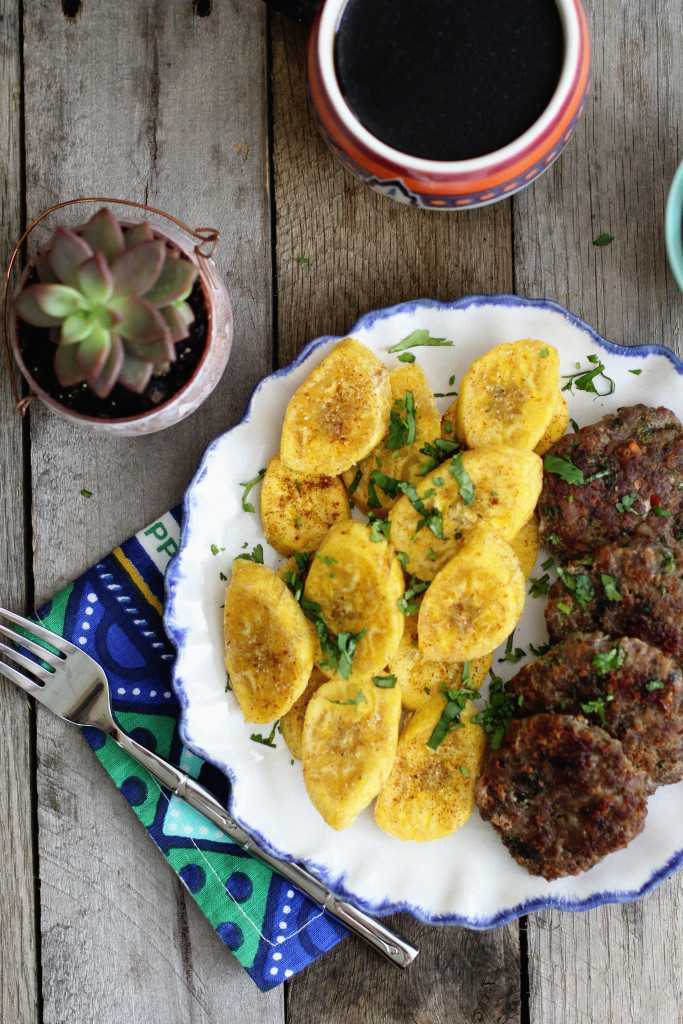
215, 550
668, 561
247, 506
611, 589
430, 517
267, 741
417, 339
626, 503
379, 528
597, 707
654, 684
564, 608
636, 372
222, 576
553, 538
544, 353
575, 426
437, 452
564, 468
456, 700
86, 494
385, 682
659, 511
498, 711
402, 429
405, 602
303, 561
448, 426
548, 564
540, 650
539, 585
388, 484
584, 380
609, 662
406, 357
302, 259
578, 584
255, 556
297, 522
356, 480
512, 654
228, 684
403, 558
298, 486
352, 701
463, 480
603, 239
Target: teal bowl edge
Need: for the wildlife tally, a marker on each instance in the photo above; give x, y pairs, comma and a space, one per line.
673, 226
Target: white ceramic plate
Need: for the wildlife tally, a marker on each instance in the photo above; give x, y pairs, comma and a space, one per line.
467, 878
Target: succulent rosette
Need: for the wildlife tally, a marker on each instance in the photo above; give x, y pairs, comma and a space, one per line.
114, 298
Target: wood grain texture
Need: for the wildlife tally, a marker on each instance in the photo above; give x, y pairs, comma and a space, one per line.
613, 963
19, 983
152, 103
365, 251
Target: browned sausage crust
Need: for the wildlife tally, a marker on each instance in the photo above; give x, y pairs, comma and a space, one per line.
636, 590
626, 686
562, 795
632, 470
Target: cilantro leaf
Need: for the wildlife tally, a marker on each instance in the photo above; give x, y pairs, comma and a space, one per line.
564, 468
437, 452
597, 707
267, 741
578, 584
405, 602
247, 506
585, 380
611, 589
497, 714
609, 662
462, 478
352, 701
255, 556
417, 339
387, 682
402, 429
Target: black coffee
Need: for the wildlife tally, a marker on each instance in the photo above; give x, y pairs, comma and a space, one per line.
448, 79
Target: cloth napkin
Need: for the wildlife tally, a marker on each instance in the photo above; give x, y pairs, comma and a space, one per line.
113, 611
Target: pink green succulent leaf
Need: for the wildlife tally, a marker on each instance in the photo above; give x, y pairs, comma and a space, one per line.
66, 366
104, 234
93, 351
184, 310
103, 383
76, 327
174, 282
140, 321
67, 253
44, 268
135, 373
55, 300
162, 350
95, 280
138, 233
26, 307
176, 324
137, 268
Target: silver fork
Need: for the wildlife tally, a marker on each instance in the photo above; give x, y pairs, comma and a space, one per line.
72, 685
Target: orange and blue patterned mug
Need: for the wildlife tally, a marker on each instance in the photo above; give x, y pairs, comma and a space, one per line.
439, 77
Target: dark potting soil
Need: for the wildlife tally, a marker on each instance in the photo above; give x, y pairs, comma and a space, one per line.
38, 353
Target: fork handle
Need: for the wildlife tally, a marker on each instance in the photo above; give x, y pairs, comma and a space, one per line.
389, 945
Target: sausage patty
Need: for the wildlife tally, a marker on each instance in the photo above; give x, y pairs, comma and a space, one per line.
613, 477
636, 589
629, 688
562, 794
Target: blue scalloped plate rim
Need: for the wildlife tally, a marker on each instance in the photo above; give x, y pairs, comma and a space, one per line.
336, 881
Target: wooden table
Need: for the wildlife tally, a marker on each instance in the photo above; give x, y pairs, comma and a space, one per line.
199, 107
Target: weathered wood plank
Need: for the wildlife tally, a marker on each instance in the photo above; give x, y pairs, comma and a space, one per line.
364, 251
19, 983
153, 103
614, 963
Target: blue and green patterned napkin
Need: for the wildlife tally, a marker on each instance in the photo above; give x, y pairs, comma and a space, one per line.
113, 611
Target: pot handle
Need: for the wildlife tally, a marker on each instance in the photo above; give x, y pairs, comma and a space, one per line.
302, 11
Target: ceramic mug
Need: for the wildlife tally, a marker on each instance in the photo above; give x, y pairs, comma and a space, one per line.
446, 184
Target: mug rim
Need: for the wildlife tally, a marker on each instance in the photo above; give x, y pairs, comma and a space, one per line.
329, 22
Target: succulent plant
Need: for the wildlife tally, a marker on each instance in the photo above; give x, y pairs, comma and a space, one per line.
114, 300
